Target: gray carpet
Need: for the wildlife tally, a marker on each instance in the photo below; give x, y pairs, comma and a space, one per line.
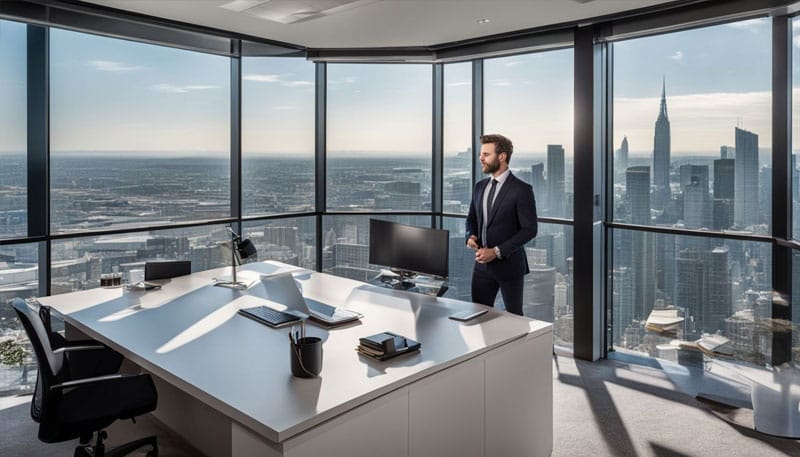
607, 408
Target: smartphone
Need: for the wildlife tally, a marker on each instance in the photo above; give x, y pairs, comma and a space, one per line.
464, 316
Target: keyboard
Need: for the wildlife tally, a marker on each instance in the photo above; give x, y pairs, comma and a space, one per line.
269, 316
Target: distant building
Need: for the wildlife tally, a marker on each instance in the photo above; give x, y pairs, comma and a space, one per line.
555, 180
661, 155
746, 211
724, 173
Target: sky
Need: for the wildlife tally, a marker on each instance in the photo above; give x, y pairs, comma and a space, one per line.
112, 94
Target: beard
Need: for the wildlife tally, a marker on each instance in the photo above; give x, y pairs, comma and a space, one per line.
490, 168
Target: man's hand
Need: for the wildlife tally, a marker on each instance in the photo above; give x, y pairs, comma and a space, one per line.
485, 255
472, 242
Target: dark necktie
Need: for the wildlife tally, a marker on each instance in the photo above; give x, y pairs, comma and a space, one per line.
491, 198
489, 201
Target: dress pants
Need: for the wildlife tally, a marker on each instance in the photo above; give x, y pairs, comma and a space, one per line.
485, 286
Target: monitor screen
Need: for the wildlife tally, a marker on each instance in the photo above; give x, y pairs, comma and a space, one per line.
409, 248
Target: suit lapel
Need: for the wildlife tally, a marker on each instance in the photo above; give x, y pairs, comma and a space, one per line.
479, 202
498, 199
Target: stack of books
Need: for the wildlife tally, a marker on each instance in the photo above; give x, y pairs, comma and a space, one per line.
385, 345
713, 345
665, 322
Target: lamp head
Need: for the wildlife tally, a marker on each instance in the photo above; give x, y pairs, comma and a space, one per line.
245, 248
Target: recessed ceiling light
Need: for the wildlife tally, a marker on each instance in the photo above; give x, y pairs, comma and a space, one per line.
483, 21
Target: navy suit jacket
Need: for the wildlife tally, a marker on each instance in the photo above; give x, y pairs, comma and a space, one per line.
511, 223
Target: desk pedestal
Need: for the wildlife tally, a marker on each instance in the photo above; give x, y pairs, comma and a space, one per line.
498, 403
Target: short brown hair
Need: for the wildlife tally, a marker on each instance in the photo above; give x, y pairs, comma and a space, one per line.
501, 144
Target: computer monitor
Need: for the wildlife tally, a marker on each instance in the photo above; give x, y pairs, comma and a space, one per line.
407, 249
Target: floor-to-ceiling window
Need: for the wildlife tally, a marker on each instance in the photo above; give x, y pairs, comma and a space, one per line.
529, 99
458, 157
692, 135
19, 271
139, 134
278, 133
378, 137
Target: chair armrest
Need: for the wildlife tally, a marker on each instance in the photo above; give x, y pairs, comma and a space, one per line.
87, 381
86, 347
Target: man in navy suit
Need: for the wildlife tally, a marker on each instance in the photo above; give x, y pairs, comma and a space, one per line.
502, 218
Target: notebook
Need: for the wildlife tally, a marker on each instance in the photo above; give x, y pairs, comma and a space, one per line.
282, 289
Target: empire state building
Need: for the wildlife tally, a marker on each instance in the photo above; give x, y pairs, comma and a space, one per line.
661, 153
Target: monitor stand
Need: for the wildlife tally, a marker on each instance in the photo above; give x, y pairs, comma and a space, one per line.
399, 279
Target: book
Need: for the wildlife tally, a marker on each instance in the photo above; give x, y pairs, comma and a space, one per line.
664, 321
385, 345
715, 345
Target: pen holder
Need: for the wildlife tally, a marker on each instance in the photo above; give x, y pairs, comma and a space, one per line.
306, 357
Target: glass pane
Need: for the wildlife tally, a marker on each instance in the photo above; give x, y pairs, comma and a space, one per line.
457, 138
13, 130
528, 98
718, 286
277, 135
290, 240
77, 263
140, 134
379, 137
345, 245
19, 277
548, 294
692, 133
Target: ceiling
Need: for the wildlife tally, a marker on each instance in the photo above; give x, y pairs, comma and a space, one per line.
336, 24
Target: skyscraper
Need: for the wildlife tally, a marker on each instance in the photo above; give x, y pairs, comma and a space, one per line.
723, 193
727, 152
696, 197
637, 184
555, 180
538, 183
661, 154
621, 159
746, 211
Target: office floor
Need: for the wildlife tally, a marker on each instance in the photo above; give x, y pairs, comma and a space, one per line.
608, 408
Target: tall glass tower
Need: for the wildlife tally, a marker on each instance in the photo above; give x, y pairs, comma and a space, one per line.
746, 211
661, 154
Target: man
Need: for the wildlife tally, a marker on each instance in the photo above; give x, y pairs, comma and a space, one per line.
502, 218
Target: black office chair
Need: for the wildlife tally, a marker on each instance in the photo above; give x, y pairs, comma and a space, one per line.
78, 391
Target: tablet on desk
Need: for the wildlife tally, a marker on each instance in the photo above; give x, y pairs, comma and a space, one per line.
464, 316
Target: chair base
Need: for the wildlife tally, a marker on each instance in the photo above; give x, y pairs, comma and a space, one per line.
99, 450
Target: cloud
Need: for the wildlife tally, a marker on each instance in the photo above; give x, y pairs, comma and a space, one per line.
261, 78
500, 82
269, 78
460, 83
173, 89
750, 24
678, 56
298, 83
512, 63
109, 65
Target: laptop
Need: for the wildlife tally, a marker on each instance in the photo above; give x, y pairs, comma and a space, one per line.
282, 289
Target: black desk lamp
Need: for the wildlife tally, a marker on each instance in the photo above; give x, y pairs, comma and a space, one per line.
240, 249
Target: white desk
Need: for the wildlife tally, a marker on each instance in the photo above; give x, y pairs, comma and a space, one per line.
480, 388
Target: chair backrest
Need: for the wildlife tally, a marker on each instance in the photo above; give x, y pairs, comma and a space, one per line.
165, 269
50, 363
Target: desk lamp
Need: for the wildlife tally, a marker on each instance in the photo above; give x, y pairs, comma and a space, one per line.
240, 249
